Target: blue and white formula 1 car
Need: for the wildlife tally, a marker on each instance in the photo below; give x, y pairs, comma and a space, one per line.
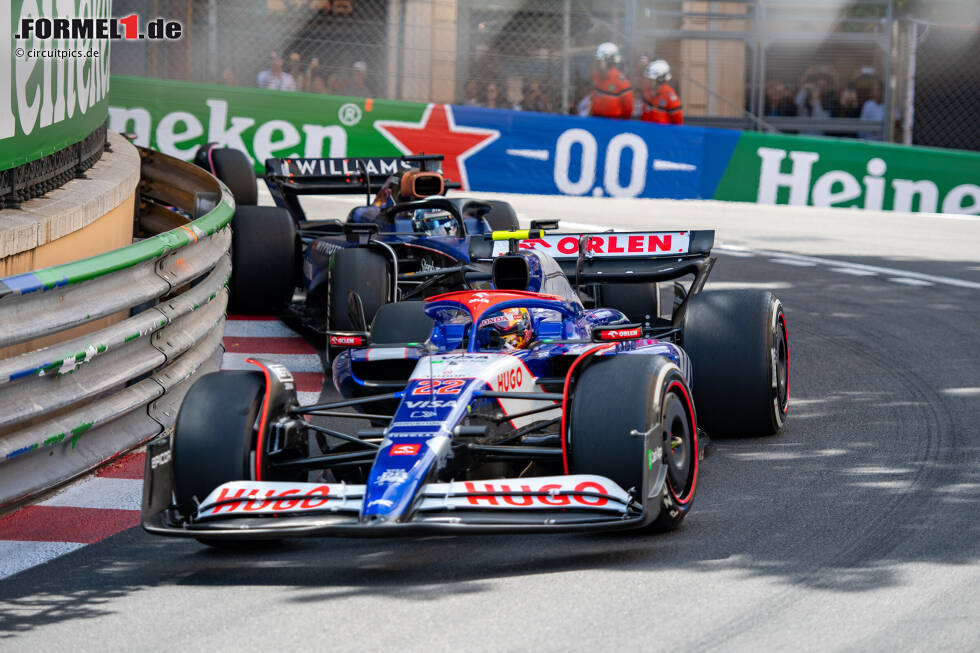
510, 409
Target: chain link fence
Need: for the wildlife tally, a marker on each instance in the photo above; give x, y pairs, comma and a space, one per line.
940, 85
830, 67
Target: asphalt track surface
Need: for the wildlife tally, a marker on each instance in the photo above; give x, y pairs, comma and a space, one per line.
856, 528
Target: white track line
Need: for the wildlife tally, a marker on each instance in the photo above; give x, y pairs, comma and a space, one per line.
293, 362
101, 492
910, 282
738, 253
258, 329
16, 556
307, 398
875, 269
855, 272
792, 261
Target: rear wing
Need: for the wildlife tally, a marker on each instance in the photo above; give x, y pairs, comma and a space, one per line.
288, 178
613, 245
618, 257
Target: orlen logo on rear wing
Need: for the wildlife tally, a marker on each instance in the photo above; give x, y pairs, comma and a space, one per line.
607, 245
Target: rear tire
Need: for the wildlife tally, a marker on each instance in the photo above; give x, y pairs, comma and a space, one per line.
400, 323
263, 249
501, 216
599, 441
236, 171
739, 348
360, 270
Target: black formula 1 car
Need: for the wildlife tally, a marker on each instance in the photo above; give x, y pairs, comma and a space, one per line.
515, 408
408, 241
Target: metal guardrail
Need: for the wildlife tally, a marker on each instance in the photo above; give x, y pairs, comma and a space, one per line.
68, 407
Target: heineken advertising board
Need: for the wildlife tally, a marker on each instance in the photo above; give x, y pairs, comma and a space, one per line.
52, 90
526, 152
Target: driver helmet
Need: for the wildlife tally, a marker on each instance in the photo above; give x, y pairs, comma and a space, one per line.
659, 71
608, 53
438, 222
509, 329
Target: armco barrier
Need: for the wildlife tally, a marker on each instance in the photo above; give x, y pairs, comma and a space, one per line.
527, 152
68, 407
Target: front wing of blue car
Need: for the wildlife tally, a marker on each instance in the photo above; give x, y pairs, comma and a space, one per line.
263, 509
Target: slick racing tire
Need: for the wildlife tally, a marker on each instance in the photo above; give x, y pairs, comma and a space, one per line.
739, 349
263, 256
400, 323
363, 271
214, 437
501, 216
639, 301
236, 171
616, 395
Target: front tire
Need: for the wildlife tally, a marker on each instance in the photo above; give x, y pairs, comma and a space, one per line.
214, 435
739, 348
214, 440
236, 171
599, 440
263, 251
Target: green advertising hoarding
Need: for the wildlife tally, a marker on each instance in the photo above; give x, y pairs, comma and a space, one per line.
527, 152
53, 92
775, 169
175, 118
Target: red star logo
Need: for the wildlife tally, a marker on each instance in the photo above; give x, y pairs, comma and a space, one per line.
438, 133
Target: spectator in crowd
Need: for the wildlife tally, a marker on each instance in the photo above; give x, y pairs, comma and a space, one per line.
274, 77
533, 99
583, 107
229, 77
471, 94
864, 81
311, 72
295, 68
779, 99
849, 107
492, 98
612, 95
873, 109
639, 81
809, 104
336, 84
817, 94
317, 85
357, 85
660, 102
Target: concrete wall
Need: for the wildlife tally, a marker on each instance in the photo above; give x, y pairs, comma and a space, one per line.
83, 218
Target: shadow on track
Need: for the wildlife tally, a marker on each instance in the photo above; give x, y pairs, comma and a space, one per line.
879, 466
